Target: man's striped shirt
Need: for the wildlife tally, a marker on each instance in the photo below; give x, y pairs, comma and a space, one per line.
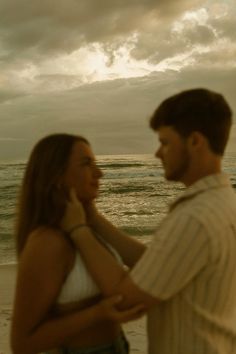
191, 268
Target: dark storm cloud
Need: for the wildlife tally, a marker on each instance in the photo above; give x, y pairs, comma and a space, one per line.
113, 115
35, 28
38, 95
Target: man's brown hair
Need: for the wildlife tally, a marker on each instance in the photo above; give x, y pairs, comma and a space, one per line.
199, 110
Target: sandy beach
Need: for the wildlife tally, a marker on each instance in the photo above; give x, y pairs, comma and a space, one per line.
135, 331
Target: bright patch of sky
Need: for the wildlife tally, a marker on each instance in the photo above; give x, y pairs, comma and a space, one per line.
92, 63
60, 62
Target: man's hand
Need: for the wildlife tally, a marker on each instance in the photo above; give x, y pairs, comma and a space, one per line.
74, 214
92, 213
109, 310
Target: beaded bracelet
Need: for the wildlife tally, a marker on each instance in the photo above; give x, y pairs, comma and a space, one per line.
78, 226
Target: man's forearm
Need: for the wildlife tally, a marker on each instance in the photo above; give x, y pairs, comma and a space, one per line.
109, 275
105, 269
129, 248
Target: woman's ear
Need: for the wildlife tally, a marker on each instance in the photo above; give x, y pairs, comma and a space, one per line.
60, 183
61, 189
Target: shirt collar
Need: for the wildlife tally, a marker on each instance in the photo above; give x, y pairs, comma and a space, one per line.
203, 184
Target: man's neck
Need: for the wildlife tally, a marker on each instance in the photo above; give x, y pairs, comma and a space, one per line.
201, 170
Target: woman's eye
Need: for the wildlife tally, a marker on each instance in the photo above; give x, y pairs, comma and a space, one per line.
89, 163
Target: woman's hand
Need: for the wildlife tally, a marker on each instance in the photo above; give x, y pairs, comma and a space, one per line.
109, 310
74, 214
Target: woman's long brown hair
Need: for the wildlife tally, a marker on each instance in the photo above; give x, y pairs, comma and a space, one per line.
41, 201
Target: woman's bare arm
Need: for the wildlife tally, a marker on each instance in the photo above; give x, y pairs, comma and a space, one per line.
42, 269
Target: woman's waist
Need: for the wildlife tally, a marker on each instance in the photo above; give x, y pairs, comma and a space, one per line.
99, 334
117, 345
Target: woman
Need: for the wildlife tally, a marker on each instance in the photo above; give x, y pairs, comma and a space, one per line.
57, 304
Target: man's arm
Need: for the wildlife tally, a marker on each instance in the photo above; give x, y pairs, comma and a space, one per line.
110, 276
128, 247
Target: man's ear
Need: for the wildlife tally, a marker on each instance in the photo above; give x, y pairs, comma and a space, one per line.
197, 140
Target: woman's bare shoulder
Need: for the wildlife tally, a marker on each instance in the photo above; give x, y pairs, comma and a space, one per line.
51, 236
50, 244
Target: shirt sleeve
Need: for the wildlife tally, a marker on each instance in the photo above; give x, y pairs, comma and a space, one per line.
178, 252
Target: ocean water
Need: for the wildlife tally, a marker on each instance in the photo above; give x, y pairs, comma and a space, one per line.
133, 195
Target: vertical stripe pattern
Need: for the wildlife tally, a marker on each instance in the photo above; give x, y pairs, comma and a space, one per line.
190, 267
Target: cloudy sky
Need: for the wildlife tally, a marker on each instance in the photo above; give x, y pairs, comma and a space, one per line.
100, 67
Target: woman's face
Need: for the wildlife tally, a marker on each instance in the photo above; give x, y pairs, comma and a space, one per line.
82, 173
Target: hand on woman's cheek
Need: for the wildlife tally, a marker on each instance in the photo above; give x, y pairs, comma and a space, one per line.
74, 213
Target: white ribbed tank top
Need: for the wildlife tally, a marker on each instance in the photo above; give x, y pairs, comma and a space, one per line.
79, 284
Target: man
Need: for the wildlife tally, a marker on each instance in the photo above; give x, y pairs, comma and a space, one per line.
187, 276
